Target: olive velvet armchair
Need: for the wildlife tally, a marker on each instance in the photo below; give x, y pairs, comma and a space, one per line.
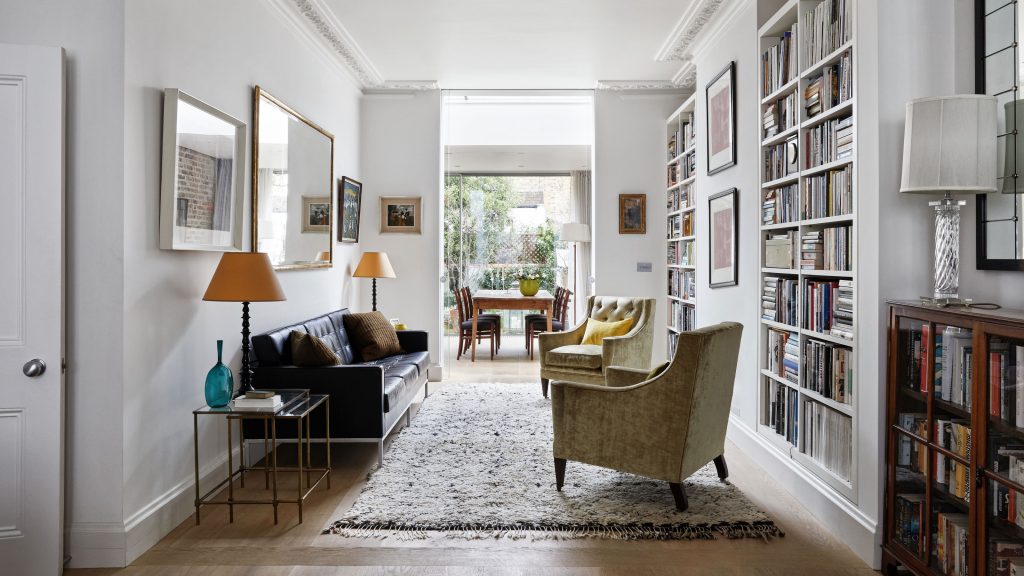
666, 427
564, 357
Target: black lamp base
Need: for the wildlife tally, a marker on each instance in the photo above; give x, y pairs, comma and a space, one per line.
246, 372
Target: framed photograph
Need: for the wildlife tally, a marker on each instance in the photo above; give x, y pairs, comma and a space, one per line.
201, 176
632, 213
316, 214
400, 214
723, 216
721, 120
350, 198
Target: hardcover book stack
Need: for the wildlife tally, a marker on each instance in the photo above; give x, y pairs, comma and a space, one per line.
257, 401
829, 194
828, 437
778, 63
780, 205
836, 252
842, 311
828, 370
822, 142
783, 352
811, 251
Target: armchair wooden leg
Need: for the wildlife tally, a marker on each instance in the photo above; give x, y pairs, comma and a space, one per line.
544, 386
679, 493
723, 470
559, 473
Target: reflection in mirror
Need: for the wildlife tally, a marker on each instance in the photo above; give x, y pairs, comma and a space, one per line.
293, 173
999, 73
201, 181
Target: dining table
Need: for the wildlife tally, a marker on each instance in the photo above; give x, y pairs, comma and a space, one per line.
509, 300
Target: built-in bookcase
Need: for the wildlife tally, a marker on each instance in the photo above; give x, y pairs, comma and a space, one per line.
680, 230
807, 385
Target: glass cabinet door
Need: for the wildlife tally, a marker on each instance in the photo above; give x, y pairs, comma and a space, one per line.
1004, 461
912, 455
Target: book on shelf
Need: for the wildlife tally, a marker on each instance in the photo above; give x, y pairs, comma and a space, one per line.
812, 250
912, 454
829, 141
780, 205
779, 160
783, 354
682, 316
818, 307
829, 194
953, 435
778, 300
779, 116
836, 242
778, 63
828, 438
909, 516
825, 28
830, 88
1007, 555
842, 310
828, 370
781, 410
1006, 382
955, 381
951, 539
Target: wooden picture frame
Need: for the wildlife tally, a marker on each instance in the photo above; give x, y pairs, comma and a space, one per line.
401, 214
316, 214
632, 213
350, 200
723, 238
720, 96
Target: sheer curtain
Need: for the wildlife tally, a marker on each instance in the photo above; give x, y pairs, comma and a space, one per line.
580, 197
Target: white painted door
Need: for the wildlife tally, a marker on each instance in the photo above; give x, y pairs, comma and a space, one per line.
31, 309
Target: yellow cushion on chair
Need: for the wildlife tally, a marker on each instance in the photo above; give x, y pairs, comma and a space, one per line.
598, 330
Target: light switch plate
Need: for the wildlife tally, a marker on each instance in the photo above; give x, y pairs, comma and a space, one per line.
644, 267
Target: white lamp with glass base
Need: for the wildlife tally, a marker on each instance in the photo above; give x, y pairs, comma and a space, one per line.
949, 147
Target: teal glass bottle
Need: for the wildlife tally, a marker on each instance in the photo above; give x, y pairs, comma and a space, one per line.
220, 383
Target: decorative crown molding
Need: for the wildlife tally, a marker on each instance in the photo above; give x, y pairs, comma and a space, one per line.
686, 77
406, 85
690, 24
621, 85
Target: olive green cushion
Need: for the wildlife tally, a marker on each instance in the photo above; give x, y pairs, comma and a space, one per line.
372, 335
576, 356
308, 350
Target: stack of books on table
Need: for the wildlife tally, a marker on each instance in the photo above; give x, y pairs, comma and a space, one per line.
811, 251
257, 401
842, 311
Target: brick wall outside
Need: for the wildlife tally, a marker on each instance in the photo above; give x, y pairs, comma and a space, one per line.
196, 183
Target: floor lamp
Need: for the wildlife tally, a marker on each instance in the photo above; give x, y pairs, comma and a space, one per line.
575, 232
374, 265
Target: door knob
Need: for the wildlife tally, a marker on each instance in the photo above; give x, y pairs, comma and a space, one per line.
34, 368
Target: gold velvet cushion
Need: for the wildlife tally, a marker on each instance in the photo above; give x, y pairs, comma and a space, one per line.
372, 335
308, 350
586, 356
598, 330
657, 370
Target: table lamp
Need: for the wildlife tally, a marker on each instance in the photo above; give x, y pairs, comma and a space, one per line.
374, 265
244, 277
575, 232
949, 147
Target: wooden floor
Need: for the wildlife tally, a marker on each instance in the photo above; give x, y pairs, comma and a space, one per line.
254, 545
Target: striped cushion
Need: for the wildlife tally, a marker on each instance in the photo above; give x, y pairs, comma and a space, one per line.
308, 350
372, 335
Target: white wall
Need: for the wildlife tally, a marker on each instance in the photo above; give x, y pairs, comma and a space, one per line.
400, 145
169, 331
90, 33
629, 152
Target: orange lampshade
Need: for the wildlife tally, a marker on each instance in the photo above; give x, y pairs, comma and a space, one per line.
374, 265
244, 277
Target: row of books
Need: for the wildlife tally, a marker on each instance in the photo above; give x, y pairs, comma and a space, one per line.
944, 366
781, 409
825, 28
913, 455
829, 194
1006, 382
680, 254
779, 116
818, 296
778, 300
682, 284
682, 316
955, 436
836, 242
680, 225
842, 311
682, 139
954, 374
909, 521
827, 437
680, 198
1006, 503
784, 354
951, 538
781, 160
778, 63
673, 341
780, 205
829, 141
812, 250
828, 370
830, 88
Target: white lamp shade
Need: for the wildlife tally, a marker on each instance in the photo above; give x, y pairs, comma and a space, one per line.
1013, 169
575, 232
949, 145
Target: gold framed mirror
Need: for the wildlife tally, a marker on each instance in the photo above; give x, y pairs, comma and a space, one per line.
292, 185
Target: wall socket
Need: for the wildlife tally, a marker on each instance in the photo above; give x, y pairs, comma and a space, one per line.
644, 267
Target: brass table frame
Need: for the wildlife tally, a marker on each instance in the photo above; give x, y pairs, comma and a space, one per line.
299, 407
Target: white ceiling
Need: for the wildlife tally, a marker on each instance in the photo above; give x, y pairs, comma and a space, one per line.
518, 44
511, 159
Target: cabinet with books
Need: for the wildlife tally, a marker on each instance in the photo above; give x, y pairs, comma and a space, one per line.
954, 500
808, 237
680, 228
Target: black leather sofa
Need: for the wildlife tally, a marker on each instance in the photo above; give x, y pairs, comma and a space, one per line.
367, 398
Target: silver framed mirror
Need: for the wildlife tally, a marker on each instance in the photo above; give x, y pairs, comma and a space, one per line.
292, 185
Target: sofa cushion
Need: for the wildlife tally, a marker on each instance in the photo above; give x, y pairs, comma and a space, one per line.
575, 356
309, 350
344, 349
598, 330
393, 389
273, 348
372, 335
407, 372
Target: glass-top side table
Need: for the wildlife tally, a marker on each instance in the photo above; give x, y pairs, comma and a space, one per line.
297, 405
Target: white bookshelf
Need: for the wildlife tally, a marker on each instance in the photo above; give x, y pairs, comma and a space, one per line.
680, 225
841, 434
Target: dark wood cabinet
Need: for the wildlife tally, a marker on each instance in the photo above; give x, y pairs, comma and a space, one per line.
954, 500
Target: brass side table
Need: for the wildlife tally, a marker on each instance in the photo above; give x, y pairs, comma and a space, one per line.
298, 406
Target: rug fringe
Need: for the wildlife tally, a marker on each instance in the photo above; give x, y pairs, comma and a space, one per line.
519, 531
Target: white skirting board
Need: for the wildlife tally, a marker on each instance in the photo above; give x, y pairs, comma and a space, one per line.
837, 514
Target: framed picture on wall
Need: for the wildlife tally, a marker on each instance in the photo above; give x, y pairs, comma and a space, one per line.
316, 214
721, 120
723, 216
632, 213
400, 214
350, 198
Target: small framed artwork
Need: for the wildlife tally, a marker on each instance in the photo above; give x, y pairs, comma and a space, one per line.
723, 218
316, 214
400, 214
632, 213
721, 120
350, 198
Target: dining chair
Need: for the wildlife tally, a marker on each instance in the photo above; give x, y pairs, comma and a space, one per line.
539, 324
486, 328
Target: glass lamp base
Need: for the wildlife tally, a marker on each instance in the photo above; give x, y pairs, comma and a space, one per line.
947, 248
